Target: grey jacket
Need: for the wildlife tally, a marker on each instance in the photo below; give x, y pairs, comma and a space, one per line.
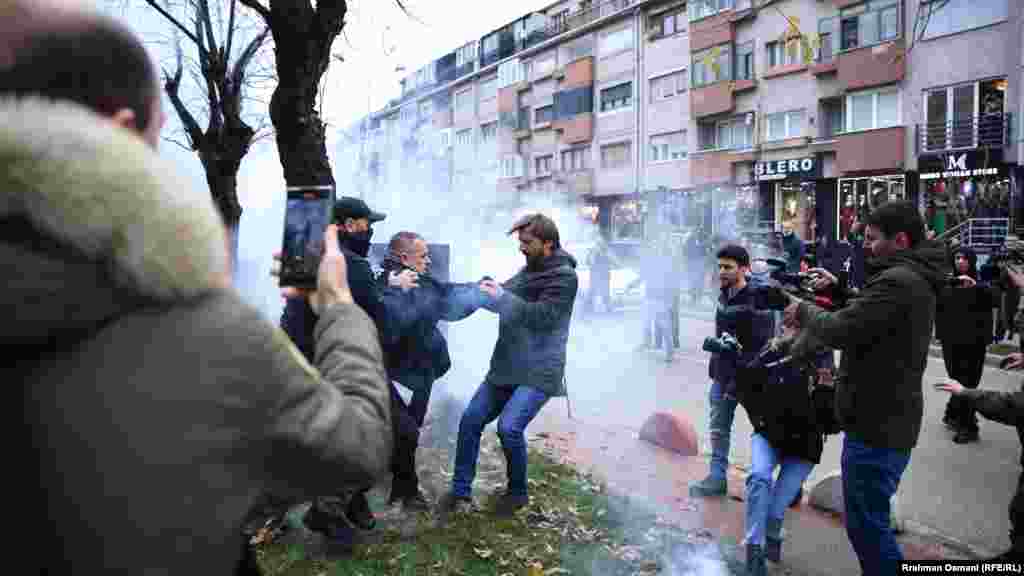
157, 405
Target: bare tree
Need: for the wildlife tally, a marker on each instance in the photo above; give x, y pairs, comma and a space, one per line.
303, 35
221, 72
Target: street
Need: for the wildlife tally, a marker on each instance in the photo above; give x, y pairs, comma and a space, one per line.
960, 491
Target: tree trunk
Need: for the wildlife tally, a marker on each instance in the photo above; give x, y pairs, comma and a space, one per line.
223, 183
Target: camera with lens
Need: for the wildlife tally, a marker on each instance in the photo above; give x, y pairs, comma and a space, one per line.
724, 344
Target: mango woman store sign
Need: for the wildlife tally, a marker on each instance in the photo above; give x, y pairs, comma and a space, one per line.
808, 168
962, 165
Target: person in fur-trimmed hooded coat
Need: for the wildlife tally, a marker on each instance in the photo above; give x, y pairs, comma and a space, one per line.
157, 405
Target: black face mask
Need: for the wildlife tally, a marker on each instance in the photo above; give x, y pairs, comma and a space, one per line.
359, 242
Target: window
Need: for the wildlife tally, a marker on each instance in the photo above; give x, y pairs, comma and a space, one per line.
466, 55
617, 41
668, 147
544, 114
616, 155
784, 125
965, 115
576, 159
524, 118
464, 138
712, 66
832, 118
543, 165
736, 133
490, 44
745, 61
488, 88
703, 8
509, 73
542, 68
869, 23
785, 53
951, 16
488, 132
871, 110
425, 109
668, 86
667, 23
828, 35
464, 103
511, 166
617, 97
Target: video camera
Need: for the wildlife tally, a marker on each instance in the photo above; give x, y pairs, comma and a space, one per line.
774, 287
724, 344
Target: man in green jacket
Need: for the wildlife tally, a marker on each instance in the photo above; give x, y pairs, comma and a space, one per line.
884, 334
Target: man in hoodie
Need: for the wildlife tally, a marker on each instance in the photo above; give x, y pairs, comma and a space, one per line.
416, 353
157, 405
884, 334
528, 364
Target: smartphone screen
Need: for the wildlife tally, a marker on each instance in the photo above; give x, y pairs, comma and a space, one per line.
307, 215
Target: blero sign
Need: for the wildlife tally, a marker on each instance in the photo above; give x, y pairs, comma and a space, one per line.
799, 168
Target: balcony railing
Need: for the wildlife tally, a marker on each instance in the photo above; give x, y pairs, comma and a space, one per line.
576, 19
985, 131
981, 234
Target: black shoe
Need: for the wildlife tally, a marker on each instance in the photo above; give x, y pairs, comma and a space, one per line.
413, 502
965, 436
509, 504
359, 513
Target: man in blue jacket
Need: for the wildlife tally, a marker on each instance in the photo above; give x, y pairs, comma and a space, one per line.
738, 315
528, 363
415, 350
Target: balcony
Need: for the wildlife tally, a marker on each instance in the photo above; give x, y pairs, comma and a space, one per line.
711, 167
577, 183
576, 19
871, 66
712, 99
879, 150
988, 131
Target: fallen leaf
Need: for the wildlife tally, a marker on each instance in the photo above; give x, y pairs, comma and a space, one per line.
535, 569
484, 553
555, 570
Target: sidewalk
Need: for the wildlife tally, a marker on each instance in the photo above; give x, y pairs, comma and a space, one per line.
816, 543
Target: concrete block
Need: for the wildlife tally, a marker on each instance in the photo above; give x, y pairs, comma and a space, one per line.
827, 495
672, 431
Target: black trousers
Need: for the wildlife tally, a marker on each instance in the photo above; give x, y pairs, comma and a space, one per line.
408, 418
1017, 520
964, 363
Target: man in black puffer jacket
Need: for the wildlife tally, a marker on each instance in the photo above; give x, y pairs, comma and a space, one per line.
416, 353
528, 363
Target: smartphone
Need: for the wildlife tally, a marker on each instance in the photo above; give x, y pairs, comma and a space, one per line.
306, 217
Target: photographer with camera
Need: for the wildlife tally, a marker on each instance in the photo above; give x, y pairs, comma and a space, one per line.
884, 333
790, 405
963, 319
742, 331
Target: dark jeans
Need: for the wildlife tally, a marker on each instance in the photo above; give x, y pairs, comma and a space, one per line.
870, 478
1017, 520
1007, 312
964, 363
516, 407
408, 418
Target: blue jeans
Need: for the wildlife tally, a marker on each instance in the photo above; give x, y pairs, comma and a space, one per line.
516, 407
768, 499
723, 409
870, 478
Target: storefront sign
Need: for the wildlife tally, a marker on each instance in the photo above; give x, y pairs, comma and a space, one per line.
808, 168
962, 165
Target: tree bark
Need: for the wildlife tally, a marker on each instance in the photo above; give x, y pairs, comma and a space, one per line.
302, 38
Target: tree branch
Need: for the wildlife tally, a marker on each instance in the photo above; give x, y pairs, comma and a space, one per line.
178, 144
174, 21
171, 86
231, 32
260, 9
203, 13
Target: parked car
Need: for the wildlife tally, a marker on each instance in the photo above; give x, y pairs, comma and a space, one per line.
626, 287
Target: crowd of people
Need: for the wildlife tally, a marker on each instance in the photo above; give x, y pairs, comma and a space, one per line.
160, 408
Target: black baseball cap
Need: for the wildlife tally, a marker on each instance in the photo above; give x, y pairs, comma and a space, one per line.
351, 207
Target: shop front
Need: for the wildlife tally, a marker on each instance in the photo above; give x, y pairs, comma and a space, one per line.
971, 192
858, 196
788, 192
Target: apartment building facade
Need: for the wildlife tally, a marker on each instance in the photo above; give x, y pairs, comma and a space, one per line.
729, 115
